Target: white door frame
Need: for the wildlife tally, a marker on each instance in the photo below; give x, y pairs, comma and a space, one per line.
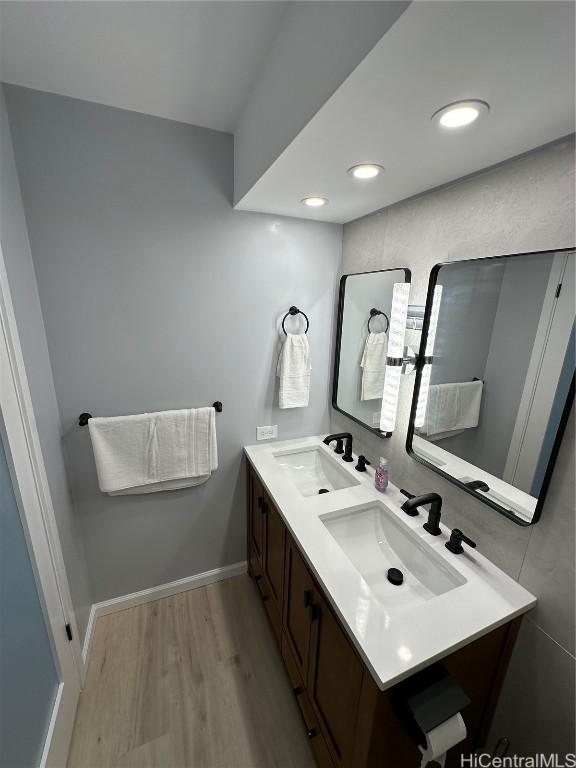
546, 362
39, 523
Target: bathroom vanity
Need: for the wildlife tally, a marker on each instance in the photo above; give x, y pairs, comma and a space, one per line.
349, 638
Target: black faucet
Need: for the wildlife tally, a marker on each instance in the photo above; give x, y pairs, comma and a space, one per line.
362, 461
477, 485
412, 503
455, 542
339, 437
432, 526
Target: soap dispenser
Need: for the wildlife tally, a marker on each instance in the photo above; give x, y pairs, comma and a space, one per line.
381, 475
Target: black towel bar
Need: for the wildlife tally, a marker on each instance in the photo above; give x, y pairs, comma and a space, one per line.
83, 418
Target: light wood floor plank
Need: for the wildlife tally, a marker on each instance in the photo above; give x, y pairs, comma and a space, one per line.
190, 681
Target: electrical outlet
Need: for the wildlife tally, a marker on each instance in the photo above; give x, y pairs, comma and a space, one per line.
266, 433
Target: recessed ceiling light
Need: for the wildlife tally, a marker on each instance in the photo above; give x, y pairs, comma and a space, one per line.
365, 170
314, 201
460, 113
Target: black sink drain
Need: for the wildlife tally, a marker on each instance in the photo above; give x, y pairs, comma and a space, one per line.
323, 490
395, 576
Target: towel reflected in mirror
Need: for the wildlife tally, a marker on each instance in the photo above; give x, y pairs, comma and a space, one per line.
373, 366
451, 409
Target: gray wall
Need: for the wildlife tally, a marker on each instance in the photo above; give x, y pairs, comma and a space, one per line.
24, 290
524, 205
157, 295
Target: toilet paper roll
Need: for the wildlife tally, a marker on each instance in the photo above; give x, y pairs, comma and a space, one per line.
442, 738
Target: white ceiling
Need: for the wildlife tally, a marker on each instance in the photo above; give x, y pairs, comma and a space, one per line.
188, 61
196, 62
517, 56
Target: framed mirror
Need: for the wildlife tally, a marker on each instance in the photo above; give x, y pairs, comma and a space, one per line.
495, 376
366, 325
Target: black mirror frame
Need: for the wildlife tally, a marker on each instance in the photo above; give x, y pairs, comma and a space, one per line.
341, 294
419, 367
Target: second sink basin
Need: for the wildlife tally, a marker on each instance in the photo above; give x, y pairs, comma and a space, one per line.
374, 540
312, 470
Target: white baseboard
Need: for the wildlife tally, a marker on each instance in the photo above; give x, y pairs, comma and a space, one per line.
154, 593
87, 644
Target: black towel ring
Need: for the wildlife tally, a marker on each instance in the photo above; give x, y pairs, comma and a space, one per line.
295, 311
374, 313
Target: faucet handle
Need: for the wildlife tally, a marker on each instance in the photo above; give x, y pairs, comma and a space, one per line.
339, 446
362, 462
411, 511
455, 542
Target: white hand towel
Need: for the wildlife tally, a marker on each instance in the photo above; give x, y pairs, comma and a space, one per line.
374, 366
469, 404
452, 408
153, 452
294, 371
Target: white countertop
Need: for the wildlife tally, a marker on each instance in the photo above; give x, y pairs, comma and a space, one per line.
393, 644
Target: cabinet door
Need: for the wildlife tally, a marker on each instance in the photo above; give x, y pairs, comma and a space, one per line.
334, 682
298, 613
273, 561
256, 512
319, 748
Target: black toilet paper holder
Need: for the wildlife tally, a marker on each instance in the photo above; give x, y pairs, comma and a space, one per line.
427, 699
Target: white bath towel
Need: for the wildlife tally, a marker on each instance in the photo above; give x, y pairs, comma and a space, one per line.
374, 366
294, 371
154, 451
452, 408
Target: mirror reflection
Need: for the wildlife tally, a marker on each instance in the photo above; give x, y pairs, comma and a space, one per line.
364, 343
496, 377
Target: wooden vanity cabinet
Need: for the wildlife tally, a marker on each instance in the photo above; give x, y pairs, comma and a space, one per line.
298, 608
256, 511
266, 547
273, 551
309, 719
334, 683
350, 722
322, 665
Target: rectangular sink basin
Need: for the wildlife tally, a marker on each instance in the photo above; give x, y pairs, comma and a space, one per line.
374, 540
311, 469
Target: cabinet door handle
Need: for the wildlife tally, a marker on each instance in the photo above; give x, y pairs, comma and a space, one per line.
313, 612
309, 605
264, 508
259, 502
263, 595
310, 732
